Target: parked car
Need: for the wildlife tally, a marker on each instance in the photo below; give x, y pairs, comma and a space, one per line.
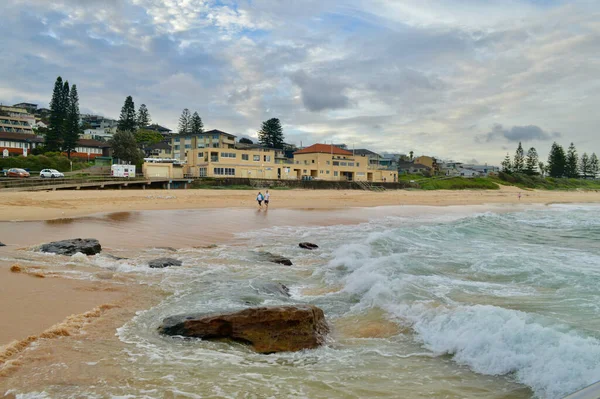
52, 173
16, 172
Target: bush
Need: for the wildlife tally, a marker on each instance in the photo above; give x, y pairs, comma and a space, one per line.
35, 163
459, 183
547, 183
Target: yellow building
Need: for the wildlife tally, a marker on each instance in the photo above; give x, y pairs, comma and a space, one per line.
430, 162
182, 143
14, 124
252, 162
328, 162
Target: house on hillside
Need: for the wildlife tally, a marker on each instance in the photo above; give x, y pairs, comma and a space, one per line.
182, 143
12, 143
412, 168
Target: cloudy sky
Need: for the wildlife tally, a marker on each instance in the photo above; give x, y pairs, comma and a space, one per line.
459, 79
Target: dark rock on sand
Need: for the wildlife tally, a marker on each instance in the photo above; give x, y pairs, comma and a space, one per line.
269, 257
308, 245
2, 245
266, 329
87, 246
164, 262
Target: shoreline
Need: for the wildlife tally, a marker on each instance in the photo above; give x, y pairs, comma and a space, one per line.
50, 205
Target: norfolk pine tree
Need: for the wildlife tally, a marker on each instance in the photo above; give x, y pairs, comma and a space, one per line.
506, 165
571, 169
185, 122
584, 166
594, 167
531, 162
72, 130
127, 119
56, 119
519, 163
557, 161
143, 117
196, 125
271, 134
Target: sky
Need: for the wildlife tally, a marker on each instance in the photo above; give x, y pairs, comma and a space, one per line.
462, 80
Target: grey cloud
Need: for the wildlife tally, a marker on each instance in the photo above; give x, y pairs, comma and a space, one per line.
516, 133
319, 93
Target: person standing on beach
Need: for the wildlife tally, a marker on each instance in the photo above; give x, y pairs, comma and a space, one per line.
259, 198
267, 196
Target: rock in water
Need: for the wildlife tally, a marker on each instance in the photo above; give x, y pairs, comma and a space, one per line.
2, 245
266, 329
274, 289
87, 246
164, 262
269, 257
308, 245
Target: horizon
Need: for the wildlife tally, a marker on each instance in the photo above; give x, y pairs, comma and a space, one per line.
456, 80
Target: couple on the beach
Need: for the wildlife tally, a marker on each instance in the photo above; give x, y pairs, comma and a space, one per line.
260, 198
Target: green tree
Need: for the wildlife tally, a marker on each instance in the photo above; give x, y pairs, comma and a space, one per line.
244, 140
506, 165
56, 119
571, 169
127, 119
542, 168
557, 161
519, 162
72, 127
196, 125
143, 117
584, 166
125, 147
531, 162
185, 122
146, 137
594, 167
271, 134
411, 155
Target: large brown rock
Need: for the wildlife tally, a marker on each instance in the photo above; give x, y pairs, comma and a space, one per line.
267, 329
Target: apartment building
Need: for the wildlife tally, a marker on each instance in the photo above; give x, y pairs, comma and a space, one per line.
12, 143
329, 162
183, 143
253, 162
15, 124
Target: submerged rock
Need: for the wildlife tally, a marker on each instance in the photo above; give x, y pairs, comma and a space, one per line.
269, 257
275, 289
308, 245
113, 257
266, 329
87, 246
164, 262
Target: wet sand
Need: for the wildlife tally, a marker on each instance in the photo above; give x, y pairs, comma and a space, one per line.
64, 204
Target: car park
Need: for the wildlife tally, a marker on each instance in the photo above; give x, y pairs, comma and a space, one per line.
51, 173
17, 172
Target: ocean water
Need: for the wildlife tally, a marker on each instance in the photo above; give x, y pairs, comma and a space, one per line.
423, 305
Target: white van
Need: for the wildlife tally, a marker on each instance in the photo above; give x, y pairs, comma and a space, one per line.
122, 170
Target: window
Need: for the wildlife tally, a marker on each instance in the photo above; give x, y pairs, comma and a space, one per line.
328, 163
228, 155
335, 173
215, 137
256, 158
321, 172
360, 173
201, 155
245, 157
304, 171
358, 164
313, 161
188, 146
201, 145
336, 163
215, 145
202, 172
327, 172
225, 171
350, 163
297, 162
343, 163
177, 139
267, 158
176, 147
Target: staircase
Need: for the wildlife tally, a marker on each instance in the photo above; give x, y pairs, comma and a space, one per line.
367, 186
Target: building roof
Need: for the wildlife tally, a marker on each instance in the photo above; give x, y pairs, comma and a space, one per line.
92, 143
25, 104
323, 148
215, 131
32, 138
364, 151
159, 146
158, 128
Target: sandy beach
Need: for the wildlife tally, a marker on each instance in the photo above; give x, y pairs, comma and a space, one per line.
41, 305
63, 204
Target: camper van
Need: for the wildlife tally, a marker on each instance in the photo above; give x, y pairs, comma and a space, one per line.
122, 170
